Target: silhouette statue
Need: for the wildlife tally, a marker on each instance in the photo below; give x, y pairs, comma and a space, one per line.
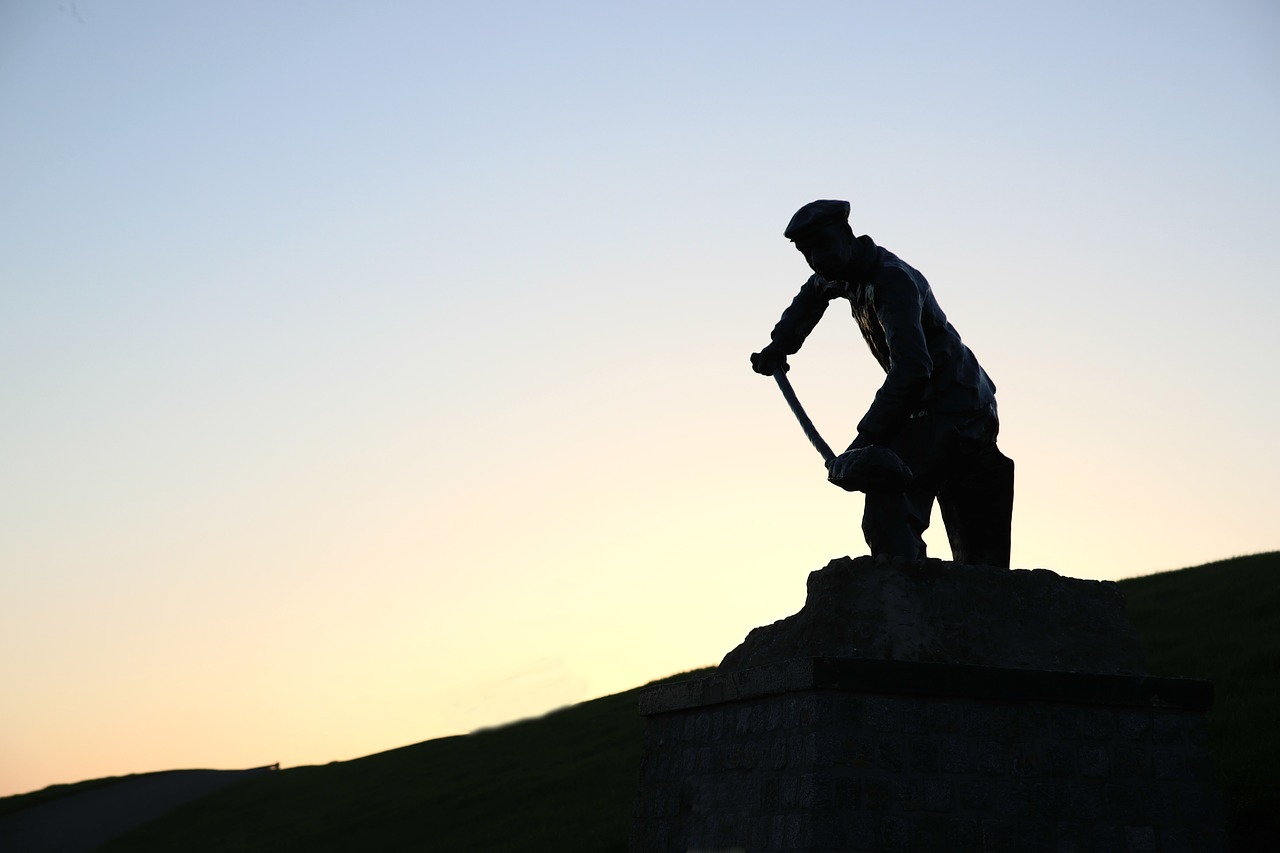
930, 433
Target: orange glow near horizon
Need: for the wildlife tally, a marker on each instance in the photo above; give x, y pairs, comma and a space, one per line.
390, 382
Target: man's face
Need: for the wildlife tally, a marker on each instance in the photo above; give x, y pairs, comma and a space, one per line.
828, 249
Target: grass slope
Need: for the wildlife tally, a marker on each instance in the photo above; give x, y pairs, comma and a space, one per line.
18, 802
565, 782
1221, 621
562, 782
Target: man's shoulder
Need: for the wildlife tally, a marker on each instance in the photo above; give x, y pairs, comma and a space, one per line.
887, 259
892, 271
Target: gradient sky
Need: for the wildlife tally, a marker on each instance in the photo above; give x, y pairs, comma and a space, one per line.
377, 371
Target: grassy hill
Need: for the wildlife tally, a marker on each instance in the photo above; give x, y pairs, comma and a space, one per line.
1221, 622
565, 782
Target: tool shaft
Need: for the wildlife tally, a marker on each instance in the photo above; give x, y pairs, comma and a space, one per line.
810, 431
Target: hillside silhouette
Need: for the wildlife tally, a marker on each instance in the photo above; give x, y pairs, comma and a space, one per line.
566, 781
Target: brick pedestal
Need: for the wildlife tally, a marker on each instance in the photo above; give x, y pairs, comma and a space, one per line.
839, 754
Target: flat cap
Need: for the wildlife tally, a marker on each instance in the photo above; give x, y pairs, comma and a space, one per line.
814, 214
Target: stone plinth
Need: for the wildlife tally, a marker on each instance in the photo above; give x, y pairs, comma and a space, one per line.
929, 740
940, 612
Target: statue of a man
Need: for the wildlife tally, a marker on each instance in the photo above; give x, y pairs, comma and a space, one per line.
936, 409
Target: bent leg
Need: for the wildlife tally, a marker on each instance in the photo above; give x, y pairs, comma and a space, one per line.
977, 508
893, 523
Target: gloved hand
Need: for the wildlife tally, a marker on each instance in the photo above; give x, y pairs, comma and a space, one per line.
769, 361
869, 468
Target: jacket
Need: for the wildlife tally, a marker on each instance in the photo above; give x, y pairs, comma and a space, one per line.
927, 367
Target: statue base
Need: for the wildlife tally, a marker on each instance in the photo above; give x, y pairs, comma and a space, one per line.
916, 752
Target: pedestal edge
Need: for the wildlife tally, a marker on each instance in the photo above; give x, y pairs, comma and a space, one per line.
912, 678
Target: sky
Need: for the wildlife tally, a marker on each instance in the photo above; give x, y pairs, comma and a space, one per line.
375, 372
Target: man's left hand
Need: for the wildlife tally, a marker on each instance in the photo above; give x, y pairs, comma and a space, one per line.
869, 468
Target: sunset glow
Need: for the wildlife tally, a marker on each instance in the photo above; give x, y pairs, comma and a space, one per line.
377, 372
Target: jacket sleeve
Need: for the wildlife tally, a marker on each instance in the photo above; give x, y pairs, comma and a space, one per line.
898, 306
801, 316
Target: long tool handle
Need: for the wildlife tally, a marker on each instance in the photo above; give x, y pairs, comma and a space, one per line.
810, 431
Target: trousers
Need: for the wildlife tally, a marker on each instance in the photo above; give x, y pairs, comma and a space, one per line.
955, 461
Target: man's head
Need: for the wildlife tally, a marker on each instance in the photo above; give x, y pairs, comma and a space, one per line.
821, 232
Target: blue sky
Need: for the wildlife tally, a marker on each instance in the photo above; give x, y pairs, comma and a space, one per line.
379, 371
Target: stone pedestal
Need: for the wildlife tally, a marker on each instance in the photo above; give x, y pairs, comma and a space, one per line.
943, 730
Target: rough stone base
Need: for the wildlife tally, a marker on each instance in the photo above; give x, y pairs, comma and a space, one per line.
932, 706
944, 612
855, 755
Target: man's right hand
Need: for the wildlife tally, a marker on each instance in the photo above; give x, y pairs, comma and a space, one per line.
769, 361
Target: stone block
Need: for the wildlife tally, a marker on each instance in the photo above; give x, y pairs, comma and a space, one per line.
1096, 724
880, 714
1012, 798
944, 717
897, 835
1059, 759
1093, 760
990, 757
1130, 761
1133, 723
985, 720
974, 795
1169, 729
1140, 839
937, 733
959, 755
1127, 801
877, 793
935, 794
822, 794
926, 754
951, 613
